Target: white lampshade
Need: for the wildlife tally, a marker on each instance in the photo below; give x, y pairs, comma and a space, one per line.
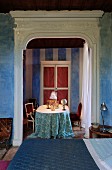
53, 95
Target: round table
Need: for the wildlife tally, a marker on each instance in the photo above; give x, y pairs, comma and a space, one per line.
53, 124
98, 133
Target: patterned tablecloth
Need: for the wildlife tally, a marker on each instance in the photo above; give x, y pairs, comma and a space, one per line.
52, 124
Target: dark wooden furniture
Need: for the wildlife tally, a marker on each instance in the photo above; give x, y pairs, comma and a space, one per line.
30, 114
76, 117
5, 132
98, 133
34, 101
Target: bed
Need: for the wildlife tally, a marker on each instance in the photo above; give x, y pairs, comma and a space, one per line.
63, 154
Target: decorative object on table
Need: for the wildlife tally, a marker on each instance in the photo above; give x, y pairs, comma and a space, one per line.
56, 104
53, 98
48, 104
53, 107
103, 108
52, 102
95, 125
53, 95
64, 102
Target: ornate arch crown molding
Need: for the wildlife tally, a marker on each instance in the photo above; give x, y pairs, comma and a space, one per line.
57, 14
31, 24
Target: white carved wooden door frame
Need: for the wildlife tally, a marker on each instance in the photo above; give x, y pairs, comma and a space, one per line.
45, 24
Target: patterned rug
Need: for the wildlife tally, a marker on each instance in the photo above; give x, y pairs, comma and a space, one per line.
4, 164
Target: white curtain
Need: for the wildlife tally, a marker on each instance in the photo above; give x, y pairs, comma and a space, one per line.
86, 89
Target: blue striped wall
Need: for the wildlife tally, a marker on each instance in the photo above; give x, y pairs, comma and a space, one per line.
36, 75
74, 57
74, 78
62, 54
49, 54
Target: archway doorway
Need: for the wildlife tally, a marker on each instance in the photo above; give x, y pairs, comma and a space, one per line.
32, 25
37, 53
50, 49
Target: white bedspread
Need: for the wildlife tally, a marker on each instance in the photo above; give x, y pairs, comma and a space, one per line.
101, 151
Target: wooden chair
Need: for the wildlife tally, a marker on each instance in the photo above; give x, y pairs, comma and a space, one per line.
30, 114
76, 117
34, 101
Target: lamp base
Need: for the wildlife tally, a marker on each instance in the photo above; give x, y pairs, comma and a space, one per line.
63, 109
103, 130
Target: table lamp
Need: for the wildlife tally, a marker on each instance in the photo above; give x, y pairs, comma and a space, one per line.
53, 95
103, 108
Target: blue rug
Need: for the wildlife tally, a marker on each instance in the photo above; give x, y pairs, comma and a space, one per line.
50, 154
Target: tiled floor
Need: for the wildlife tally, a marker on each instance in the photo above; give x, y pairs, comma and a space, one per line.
11, 152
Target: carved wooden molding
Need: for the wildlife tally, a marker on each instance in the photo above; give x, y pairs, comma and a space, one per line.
57, 14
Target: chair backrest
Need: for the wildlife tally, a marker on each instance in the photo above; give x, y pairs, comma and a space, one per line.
29, 108
34, 101
79, 109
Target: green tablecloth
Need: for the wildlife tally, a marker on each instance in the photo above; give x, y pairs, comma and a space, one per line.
53, 124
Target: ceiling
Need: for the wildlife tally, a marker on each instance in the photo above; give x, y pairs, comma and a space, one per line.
12, 5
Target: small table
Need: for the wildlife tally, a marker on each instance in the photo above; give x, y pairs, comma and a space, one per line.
53, 124
98, 133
